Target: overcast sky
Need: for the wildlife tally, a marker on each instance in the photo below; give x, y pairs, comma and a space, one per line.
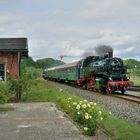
73, 27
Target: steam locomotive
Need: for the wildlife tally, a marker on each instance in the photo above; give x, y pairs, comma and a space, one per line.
106, 74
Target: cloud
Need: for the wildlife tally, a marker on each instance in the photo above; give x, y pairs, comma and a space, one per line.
69, 28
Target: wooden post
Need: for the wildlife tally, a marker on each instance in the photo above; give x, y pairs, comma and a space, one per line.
18, 94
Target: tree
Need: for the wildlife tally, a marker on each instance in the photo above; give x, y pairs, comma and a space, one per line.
48, 62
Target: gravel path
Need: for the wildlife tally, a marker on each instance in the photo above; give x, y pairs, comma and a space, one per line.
121, 108
37, 121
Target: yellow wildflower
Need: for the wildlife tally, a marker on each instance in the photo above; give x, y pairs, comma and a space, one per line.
69, 98
88, 105
85, 100
90, 117
81, 102
78, 107
95, 104
100, 112
86, 113
91, 103
84, 106
86, 116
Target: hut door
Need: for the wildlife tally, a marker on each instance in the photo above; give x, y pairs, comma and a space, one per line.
2, 72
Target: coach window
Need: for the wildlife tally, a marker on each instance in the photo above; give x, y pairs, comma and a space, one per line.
2, 72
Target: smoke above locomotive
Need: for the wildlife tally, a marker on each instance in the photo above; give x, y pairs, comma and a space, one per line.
100, 50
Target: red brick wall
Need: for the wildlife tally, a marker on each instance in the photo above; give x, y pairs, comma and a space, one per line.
11, 59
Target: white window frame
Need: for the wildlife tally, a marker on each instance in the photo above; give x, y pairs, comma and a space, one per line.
4, 71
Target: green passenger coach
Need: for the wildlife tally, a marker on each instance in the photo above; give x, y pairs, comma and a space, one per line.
66, 72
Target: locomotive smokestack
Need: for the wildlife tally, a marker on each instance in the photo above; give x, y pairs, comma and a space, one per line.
110, 54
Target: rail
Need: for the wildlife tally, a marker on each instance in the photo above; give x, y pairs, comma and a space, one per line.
128, 97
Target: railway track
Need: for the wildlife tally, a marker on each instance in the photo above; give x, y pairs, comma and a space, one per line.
132, 98
128, 97
134, 88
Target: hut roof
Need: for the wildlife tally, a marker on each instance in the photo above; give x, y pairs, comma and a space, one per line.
14, 44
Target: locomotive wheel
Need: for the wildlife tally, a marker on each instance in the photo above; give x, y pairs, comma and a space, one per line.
84, 86
123, 90
103, 90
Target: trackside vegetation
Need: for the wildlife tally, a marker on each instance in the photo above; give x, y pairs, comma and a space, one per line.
87, 114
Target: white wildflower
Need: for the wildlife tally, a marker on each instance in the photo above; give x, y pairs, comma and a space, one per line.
85, 128
78, 113
60, 90
110, 113
74, 103
101, 118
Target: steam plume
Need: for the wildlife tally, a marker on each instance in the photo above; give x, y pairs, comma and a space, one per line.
100, 50
103, 49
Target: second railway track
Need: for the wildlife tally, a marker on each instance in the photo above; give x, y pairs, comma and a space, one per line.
134, 88
128, 97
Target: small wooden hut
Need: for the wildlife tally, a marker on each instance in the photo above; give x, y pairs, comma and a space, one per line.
11, 51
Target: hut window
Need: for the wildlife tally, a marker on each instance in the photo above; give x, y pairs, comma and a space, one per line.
2, 72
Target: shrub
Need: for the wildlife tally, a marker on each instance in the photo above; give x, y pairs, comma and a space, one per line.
3, 98
3, 92
86, 114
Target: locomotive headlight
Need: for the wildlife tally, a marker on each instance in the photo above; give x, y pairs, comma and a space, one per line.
110, 78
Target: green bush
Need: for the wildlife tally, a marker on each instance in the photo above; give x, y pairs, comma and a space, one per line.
3, 93
28, 78
31, 73
86, 114
3, 98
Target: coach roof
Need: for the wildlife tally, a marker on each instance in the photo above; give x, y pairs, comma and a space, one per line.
64, 66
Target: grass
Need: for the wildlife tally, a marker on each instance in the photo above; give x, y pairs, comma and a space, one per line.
118, 128
5, 108
136, 81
